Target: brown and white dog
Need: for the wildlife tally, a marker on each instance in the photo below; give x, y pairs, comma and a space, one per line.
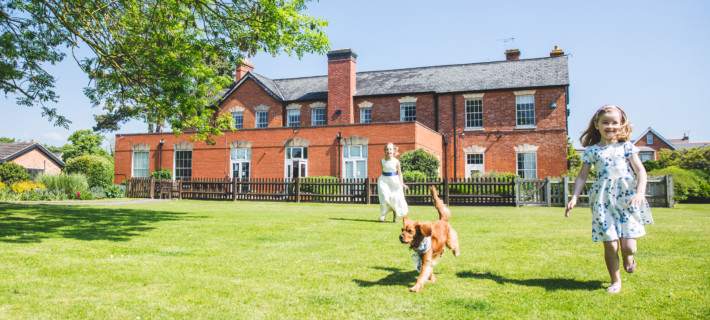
428, 239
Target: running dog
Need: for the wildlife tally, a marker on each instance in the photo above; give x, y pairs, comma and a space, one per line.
427, 239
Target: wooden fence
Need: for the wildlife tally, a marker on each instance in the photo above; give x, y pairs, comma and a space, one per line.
460, 192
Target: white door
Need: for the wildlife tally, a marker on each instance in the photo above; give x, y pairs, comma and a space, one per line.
474, 162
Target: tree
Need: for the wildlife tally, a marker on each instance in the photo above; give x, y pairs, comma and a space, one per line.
11, 172
7, 140
156, 60
420, 160
574, 160
84, 142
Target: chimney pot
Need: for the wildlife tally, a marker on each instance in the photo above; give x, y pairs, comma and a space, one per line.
557, 52
243, 67
341, 86
512, 54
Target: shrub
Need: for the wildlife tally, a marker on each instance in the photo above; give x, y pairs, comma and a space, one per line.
69, 184
411, 176
651, 165
320, 189
115, 192
420, 160
98, 170
24, 186
11, 172
2, 186
688, 185
485, 190
163, 174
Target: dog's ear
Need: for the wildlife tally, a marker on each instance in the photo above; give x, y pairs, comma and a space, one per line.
425, 228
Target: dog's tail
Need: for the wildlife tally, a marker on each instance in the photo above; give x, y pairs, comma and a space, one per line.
444, 213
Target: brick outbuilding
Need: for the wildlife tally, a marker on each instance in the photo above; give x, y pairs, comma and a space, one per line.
505, 116
32, 156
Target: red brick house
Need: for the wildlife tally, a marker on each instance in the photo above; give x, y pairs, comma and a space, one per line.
32, 156
505, 116
651, 142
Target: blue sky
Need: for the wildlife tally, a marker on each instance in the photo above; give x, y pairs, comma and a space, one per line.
648, 57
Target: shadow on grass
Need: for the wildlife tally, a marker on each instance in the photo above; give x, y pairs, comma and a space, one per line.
548, 284
397, 277
33, 223
358, 220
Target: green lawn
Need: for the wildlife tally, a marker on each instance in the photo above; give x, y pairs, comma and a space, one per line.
255, 260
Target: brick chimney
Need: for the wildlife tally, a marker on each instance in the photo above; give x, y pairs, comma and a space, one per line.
341, 86
243, 67
512, 54
557, 52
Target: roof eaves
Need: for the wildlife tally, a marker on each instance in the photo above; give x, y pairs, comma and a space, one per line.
251, 76
29, 148
657, 135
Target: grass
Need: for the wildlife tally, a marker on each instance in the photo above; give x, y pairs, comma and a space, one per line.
254, 260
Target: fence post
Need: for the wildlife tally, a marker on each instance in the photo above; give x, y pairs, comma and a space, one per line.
517, 193
152, 187
548, 191
565, 191
446, 191
670, 193
234, 189
180, 188
298, 190
367, 190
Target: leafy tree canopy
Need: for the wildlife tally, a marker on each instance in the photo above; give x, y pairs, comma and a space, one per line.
155, 60
84, 142
7, 140
420, 160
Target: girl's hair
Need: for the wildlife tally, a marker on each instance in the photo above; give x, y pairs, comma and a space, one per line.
396, 148
592, 135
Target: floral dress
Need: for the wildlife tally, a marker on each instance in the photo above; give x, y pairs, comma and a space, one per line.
610, 196
390, 192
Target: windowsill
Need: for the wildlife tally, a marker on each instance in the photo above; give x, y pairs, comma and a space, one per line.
525, 127
473, 129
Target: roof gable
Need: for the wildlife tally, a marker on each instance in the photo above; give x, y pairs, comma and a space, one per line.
650, 130
10, 151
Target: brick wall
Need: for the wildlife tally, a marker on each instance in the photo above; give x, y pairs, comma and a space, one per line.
250, 95
35, 159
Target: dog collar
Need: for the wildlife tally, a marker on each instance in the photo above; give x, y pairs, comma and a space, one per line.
423, 247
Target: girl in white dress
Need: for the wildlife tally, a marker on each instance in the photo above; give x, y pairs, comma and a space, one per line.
390, 185
617, 199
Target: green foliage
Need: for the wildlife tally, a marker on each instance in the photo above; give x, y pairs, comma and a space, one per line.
98, 170
410, 176
486, 190
574, 160
690, 185
115, 192
67, 183
7, 140
420, 160
651, 165
163, 174
84, 142
695, 158
320, 189
11, 172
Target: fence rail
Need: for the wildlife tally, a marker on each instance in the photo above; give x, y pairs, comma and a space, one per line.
455, 192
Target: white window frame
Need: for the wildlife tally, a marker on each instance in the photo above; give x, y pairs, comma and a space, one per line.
475, 166
301, 161
238, 119
317, 116
474, 118
366, 115
356, 154
645, 156
525, 111
525, 172
407, 111
147, 164
649, 139
175, 164
293, 117
262, 119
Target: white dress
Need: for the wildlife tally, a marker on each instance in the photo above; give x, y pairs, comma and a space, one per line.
610, 196
389, 190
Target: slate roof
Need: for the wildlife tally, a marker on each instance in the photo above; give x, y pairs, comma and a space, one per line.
9, 151
518, 74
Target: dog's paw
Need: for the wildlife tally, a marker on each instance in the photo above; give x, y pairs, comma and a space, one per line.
416, 288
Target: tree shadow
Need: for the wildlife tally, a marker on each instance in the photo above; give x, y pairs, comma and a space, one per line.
33, 223
548, 284
397, 277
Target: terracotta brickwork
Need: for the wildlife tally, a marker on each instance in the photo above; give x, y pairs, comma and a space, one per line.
657, 144
249, 96
35, 159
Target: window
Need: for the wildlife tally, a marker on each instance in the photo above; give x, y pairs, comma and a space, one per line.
474, 164
34, 172
183, 164
262, 119
649, 139
238, 119
407, 111
296, 162
294, 118
240, 163
525, 111
366, 115
474, 114
317, 116
527, 165
645, 157
140, 164
354, 162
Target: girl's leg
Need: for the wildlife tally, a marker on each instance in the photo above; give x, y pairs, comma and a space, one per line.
611, 257
628, 249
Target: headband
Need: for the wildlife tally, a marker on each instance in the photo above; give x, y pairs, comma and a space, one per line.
609, 106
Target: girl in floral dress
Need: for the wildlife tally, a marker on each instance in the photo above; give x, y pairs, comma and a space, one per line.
617, 199
390, 185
